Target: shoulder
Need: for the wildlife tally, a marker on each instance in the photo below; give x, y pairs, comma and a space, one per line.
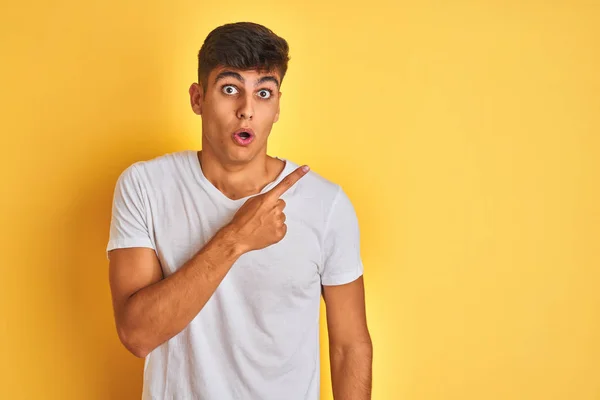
158, 170
317, 189
164, 165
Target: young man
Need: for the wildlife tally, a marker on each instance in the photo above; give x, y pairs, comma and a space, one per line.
218, 258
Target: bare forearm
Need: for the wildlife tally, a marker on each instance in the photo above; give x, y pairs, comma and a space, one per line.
351, 372
160, 311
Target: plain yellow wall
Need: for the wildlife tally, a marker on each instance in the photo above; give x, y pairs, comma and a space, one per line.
465, 133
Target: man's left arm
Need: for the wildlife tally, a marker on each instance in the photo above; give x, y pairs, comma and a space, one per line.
350, 347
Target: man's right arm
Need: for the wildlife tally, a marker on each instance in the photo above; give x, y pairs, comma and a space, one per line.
148, 309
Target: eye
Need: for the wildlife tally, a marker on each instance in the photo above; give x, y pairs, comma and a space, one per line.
225, 89
269, 91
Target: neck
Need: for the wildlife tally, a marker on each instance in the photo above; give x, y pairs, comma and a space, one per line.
237, 180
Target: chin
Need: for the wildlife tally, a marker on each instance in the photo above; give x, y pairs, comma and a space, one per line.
241, 156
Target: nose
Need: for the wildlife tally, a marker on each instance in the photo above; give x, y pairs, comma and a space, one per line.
246, 111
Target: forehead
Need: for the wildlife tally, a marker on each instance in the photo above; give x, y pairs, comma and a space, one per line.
252, 76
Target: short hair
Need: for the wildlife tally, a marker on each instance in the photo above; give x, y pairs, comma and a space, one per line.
244, 46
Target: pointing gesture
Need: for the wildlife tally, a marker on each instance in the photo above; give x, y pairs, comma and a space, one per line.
287, 182
260, 221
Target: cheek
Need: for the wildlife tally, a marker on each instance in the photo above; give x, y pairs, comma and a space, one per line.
265, 112
220, 116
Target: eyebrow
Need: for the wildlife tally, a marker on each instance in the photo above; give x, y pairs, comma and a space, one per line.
225, 74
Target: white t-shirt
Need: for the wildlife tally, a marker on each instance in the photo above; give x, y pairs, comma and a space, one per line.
257, 337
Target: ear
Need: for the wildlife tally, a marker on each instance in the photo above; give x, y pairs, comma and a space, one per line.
278, 109
196, 98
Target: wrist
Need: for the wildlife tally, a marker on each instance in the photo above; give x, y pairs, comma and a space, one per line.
232, 240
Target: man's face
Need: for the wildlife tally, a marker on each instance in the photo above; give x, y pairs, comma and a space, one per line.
237, 99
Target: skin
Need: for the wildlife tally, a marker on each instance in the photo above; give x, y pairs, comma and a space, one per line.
150, 309
230, 104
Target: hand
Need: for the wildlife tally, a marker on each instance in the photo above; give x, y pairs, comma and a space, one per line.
260, 221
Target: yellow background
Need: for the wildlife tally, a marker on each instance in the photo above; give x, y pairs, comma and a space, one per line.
465, 133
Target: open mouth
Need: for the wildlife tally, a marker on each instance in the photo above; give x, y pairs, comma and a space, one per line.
243, 137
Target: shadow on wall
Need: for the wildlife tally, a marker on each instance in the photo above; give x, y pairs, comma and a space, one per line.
113, 373
140, 133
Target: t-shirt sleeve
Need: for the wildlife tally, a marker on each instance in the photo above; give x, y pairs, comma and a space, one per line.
342, 262
129, 222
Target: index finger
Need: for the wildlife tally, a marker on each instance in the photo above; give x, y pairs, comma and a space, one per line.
288, 181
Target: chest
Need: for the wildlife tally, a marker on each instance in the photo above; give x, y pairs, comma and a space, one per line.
182, 225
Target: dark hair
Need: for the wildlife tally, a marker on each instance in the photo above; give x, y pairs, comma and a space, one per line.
244, 46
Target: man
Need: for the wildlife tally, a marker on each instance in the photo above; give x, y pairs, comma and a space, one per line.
212, 282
